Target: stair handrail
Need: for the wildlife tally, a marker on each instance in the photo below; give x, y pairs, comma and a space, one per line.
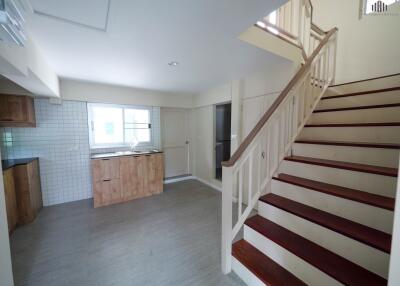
265, 147
292, 22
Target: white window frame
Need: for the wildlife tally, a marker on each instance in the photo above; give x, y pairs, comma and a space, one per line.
363, 8
121, 144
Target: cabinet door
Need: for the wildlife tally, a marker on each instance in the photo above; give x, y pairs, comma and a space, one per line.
17, 111
105, 169
154, 174
131, 173
13, 108
35, 190
10, 198
106, 192
28, 191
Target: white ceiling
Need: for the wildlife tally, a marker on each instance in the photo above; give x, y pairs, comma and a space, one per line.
130, 42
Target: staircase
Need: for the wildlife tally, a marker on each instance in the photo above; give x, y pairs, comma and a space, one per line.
328, 217
320, 167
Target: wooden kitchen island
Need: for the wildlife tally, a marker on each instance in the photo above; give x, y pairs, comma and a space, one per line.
124, 176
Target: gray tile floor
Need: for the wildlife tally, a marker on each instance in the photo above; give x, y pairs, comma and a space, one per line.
170, 239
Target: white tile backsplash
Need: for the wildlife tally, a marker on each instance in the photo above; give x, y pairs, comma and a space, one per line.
61, 141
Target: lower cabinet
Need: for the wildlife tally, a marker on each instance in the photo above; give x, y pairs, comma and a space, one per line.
154, 175
23, 194
107, 192
132, 170
137, 176
28, 191
11, 201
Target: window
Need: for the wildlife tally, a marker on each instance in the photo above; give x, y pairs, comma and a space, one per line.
119, 126
376, 6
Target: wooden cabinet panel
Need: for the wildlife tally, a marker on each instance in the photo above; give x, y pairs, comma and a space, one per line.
131, 170
11, 202
154, 173
17, 111
28, 191
126, 178
106, 192
105, 169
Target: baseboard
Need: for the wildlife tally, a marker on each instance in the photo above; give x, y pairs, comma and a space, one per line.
179, 179
190, 177
208, 184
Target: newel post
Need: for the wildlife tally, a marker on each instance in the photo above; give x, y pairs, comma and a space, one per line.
227, 194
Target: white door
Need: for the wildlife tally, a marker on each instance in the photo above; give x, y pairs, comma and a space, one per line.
175, 141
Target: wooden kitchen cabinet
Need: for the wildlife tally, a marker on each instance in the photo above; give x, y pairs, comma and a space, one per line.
106, 181
121, 179
11, 201
106, 192
17, 111
154, 173
28, 191
105, 169
132, 172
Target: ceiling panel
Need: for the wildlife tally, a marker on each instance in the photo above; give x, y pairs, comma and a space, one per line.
90, 13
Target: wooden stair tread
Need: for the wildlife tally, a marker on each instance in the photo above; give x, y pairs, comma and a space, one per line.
350, 144
385, 171
361, 93
338, 191
359, 232
357, 108
328, 262
267, 270
371, 124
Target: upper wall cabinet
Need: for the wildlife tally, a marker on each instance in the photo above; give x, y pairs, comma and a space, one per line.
17, 111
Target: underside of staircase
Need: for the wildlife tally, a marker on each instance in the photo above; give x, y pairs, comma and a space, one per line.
328, 216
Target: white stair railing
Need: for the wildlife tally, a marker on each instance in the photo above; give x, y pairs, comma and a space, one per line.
292, 22
249, 171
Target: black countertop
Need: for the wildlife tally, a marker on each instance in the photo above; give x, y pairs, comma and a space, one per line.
7, 164
124, 153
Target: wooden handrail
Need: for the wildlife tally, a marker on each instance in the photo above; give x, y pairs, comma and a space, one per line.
280, 30
247, 141
278, 36
318, 30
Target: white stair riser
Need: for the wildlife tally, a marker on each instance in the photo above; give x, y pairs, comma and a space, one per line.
361, 100
380, 83
371, 216
370, 156
297, 266
245, 274
380, 115
372, 183
366, 256
379, 134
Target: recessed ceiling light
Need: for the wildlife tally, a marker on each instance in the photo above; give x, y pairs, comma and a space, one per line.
173, 64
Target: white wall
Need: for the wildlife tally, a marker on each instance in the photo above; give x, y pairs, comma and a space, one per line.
6, 276
254, 93
367, 47
104, 93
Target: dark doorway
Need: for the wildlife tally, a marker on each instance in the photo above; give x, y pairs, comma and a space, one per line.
222, 137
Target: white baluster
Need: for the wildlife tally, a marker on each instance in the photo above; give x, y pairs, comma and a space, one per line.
227, 190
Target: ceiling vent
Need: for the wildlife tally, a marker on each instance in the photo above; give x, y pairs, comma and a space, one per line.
11, 23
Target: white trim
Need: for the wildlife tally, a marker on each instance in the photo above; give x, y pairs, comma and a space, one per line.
209, 184
180, 179
173, 180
